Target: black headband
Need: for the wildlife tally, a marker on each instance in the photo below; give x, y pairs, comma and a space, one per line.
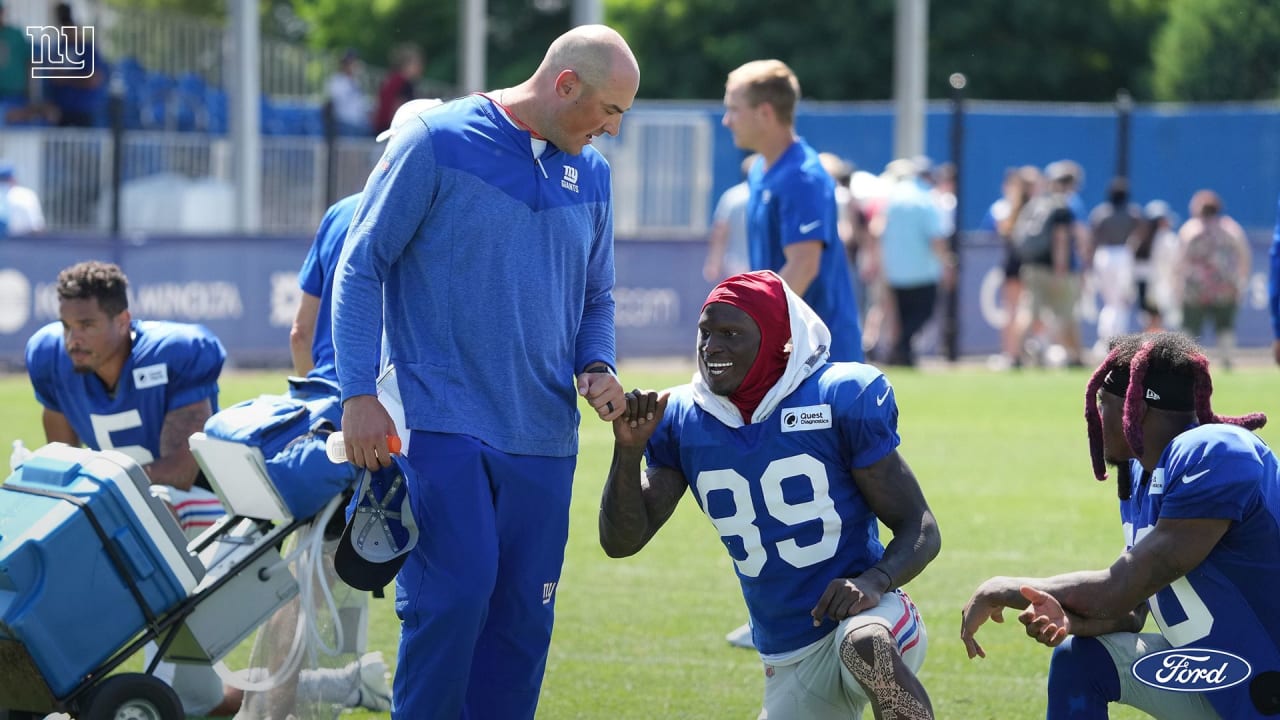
1165, 391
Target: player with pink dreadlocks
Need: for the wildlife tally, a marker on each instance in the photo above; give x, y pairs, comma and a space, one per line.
1200, 504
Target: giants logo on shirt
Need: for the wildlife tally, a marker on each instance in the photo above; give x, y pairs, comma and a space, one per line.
570, 181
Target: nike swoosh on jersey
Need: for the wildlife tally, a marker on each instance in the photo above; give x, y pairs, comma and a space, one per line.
880, 400
810, 226
1188, 479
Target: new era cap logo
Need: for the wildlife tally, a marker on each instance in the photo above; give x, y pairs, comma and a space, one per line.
1151, 394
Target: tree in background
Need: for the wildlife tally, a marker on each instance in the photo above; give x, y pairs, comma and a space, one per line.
1011, 49
1052, 51
1218, 50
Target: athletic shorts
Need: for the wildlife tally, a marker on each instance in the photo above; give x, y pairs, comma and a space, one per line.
820, 687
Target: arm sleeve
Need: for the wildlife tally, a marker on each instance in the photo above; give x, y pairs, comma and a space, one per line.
397, 198
40, 369
663, 448
809, 206
596, 341
868, 420
311, 276
195, 370
1223, 491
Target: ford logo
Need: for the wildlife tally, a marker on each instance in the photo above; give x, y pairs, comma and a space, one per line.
1191, 669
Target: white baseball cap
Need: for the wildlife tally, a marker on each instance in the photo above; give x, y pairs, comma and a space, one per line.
407, 112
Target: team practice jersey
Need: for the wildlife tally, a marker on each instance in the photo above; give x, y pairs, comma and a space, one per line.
780, 492
461, 223
794, 201
171, 365
316, 279
1231, 601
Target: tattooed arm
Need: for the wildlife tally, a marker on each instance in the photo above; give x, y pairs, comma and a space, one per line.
176, 466
634, 507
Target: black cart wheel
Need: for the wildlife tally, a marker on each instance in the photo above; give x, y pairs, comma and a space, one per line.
133, 696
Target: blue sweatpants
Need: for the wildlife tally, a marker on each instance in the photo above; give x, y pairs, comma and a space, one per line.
476, 596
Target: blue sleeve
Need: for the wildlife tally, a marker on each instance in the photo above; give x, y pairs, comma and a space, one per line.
1217, 478
1275, 278
311, 278
41, 360
663, 449
195, 367
806, 210
397, 198
596, 341
868, 420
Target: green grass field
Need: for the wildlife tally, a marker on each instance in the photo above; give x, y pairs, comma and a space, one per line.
1003, 462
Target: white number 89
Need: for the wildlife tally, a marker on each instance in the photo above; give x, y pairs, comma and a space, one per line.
741, 523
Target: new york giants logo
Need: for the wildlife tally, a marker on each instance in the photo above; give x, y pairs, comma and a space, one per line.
548, 591
61, 52
570, 181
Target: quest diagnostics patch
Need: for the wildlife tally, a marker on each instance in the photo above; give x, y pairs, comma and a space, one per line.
811, 417
150, 376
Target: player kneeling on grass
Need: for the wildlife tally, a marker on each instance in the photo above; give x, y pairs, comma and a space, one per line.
1200, 503
794, 460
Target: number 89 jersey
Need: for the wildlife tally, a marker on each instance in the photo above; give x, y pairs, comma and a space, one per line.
781, 494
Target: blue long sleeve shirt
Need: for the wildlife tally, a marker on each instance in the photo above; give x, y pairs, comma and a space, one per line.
493, 272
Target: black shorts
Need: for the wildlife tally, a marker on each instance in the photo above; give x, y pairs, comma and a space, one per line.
1012, 264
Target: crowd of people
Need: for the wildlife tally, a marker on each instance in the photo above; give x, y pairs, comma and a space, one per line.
787, 439
1148, 269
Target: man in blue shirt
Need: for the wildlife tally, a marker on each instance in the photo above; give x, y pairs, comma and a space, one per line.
1200, 504
792, 226
110, 382
794, 460
484, 241
311, 337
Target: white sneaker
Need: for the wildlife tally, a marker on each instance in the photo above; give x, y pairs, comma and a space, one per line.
374, 692
741, 637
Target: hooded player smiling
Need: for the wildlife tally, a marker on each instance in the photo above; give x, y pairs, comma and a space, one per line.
794, 460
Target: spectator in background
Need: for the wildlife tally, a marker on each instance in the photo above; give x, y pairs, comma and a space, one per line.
1044, 234
840, 171
1112, 223
915, 256
80, 101
15, 63
1020, 185
24, 214
727, 253
942, 186
1214, 271
791, 217
1155, 252
397, 88
350, 106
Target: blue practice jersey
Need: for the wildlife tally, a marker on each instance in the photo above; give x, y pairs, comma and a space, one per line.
1231, 601
316, 279
781, 494
795, 201
171, 365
